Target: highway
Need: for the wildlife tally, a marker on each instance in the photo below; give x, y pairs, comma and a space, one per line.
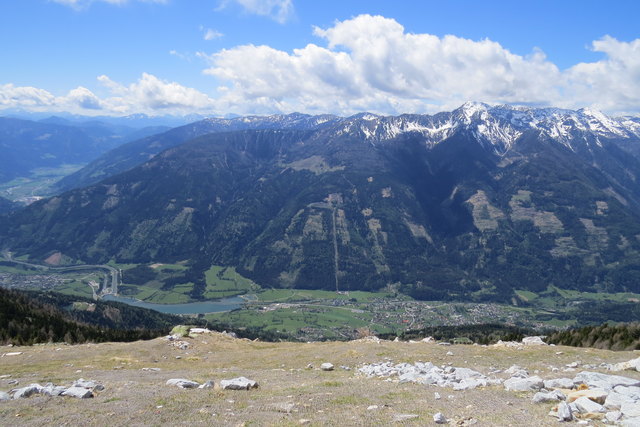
111, 276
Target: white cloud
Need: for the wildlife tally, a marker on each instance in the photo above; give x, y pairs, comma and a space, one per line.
279, 10
211, 34
371, 63
368, 63
149, 95
24, 97
611, 84
84, 99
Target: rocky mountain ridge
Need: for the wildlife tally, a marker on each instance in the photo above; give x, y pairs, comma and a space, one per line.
496, 127
501, 203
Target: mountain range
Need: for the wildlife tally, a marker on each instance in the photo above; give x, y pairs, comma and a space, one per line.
27, 145
469, 204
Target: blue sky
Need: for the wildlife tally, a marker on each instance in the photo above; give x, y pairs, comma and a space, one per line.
222, 57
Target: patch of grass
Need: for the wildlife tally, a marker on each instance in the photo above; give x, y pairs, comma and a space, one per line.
152, 292
225, 281
292, 319
173, 267
180, 330
526, 295
332, 384
75, 288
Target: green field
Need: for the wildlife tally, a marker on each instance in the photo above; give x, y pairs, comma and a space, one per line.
328, 321
152, 292
16, 269
38, 182
298, 295
223, 282
75, 288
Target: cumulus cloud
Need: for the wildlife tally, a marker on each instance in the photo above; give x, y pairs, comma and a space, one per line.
24, 97
149, 95
372, 63
610, 84
279, 10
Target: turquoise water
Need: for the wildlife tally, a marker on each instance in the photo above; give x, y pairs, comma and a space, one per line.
225, 304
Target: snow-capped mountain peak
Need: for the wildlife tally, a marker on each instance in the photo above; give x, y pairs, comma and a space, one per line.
496, 127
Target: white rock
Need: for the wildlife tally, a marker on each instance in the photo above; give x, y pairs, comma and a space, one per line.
584, 405
78, 392
564, 412
533, 341
603, 381
559, 383
630, 422
630, 409
464, 373
207, 384
613, 416
199, 331
632, 392
240, 383
469, 384
553, 396
598, 395
631, 365
440, 419
524, 384
614, 400
517, 371
52, 390
326, 366
428, 340
27, 391
182, 383
4, 396
88, 384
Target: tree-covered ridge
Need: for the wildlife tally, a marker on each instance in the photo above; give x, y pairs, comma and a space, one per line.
623, 336
30, 318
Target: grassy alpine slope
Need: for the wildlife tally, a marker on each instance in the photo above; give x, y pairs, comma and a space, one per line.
289, 391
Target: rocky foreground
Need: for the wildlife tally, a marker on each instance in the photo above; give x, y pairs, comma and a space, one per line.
217, 379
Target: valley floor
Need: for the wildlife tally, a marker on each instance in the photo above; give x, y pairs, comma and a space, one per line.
293, 390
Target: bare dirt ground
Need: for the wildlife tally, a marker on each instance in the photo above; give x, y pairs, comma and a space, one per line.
290, 392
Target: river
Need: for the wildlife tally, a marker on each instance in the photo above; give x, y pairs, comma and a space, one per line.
225, 304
